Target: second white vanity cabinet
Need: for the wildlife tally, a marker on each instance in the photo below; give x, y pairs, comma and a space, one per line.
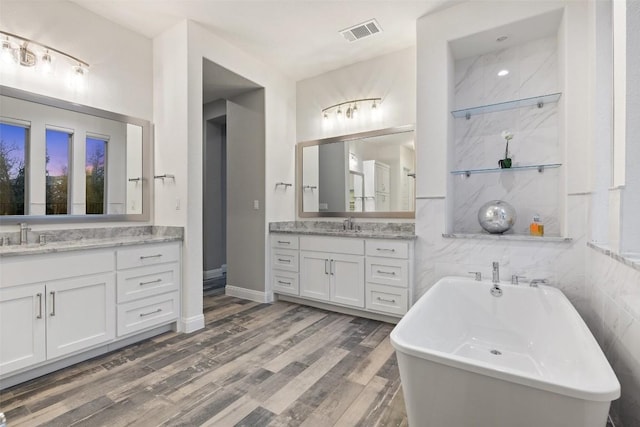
368, 274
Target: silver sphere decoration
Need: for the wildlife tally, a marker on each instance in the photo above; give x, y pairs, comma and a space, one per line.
496, 216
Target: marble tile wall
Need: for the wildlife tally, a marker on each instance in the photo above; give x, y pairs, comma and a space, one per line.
533, 71
562, 263
615, 322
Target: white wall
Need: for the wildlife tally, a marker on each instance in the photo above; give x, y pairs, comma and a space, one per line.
178, 56
391, 77
119, 80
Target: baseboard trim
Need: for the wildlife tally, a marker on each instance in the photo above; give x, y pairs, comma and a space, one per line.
191, 324
248, 294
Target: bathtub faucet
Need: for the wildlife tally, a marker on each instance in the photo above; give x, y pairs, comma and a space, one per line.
534, 283
496, 272
495, 290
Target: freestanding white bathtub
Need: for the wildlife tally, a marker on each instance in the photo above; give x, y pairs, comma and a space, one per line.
524, 359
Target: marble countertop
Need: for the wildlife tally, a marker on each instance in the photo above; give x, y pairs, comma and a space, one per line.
79, 239
377, 230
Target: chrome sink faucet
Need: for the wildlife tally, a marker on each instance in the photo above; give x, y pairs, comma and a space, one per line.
347, 224
24, 229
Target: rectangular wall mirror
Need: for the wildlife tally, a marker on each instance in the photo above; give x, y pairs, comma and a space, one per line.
368, 174
64, 162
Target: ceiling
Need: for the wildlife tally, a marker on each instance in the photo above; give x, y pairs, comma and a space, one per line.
299, 37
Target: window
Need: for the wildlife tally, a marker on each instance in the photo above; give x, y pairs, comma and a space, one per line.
95, 162
57, 190
13, 148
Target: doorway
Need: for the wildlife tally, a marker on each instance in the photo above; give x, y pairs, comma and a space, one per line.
231, 150
214, 200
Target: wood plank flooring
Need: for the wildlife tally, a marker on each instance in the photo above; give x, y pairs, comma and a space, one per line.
278, 364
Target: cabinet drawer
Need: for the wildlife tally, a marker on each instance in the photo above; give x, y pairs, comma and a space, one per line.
283, 259
387, 248
341, 245
386, 299
142, 314
285, 282
27, 269
387, 271
144, 282
139, 256
284, 241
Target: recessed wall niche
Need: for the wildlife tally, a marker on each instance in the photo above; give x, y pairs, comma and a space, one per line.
503, 90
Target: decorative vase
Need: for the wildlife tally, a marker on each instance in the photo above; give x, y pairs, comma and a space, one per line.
497, 216
505, 163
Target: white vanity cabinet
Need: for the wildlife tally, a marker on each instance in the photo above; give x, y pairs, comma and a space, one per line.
332, 269
54, 305
59, 308
367, 274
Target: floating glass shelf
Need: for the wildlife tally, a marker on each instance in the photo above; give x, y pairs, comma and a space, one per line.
540, 168
508, 105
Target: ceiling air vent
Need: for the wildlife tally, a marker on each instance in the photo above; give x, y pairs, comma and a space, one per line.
360, 31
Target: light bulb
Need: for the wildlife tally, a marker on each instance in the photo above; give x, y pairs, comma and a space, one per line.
374, 105
325, 115
503, 73
77, 77
46, 66
7, 52
354, 111
339, 113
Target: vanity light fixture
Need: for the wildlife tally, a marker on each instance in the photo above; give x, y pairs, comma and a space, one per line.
29, 53
352, 110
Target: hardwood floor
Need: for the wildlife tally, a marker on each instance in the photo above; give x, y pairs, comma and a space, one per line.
253, 365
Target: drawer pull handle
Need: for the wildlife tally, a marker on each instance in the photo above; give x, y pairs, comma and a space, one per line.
284, 260
284, 242
150, 282
385, 250
283, 282
391, 273
150, 313
53, 303
386, 300
39, 295
151, 256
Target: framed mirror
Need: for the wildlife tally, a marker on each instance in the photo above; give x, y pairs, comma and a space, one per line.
367, 175
65, 162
